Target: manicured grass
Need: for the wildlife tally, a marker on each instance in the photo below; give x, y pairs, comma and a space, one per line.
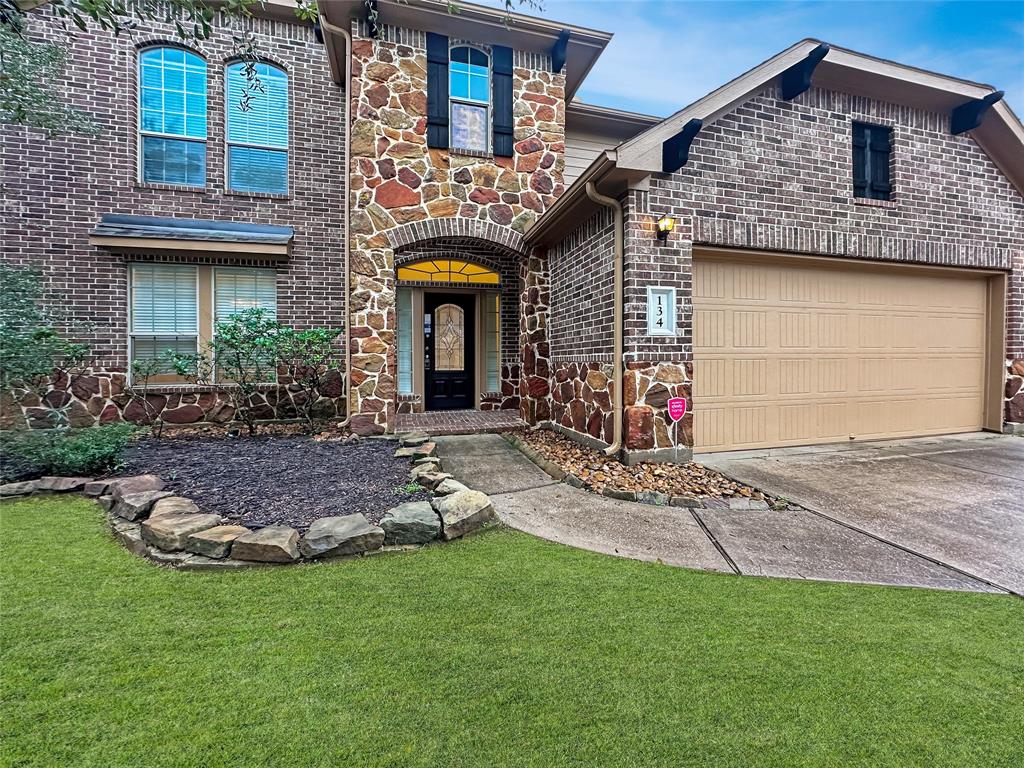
498, 650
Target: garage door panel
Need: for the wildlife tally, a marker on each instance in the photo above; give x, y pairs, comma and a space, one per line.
793, 354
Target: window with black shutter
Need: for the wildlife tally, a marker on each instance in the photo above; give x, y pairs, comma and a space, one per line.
872, 158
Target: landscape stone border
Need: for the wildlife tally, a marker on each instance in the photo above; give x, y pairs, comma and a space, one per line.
171, 530
654, 498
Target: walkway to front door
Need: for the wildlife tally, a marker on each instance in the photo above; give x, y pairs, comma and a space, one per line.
466, 422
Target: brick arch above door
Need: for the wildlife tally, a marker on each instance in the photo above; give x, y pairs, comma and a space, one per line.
469, 231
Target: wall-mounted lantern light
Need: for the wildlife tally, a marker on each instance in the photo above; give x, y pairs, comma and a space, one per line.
665, 225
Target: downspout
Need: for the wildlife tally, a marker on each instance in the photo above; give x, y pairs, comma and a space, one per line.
616, 207
347, 375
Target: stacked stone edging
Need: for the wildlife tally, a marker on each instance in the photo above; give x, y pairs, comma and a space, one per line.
171, 530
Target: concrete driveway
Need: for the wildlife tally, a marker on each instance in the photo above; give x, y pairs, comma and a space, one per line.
920, 513
957, 501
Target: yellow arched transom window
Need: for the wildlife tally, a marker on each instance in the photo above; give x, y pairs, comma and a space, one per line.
448, 271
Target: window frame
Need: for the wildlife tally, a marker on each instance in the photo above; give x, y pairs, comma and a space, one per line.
205, 276
487, 104
870, 132
228, 143
169, 378
141, 133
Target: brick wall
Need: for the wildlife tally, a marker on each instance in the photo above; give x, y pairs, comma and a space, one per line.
56, 189
775, 175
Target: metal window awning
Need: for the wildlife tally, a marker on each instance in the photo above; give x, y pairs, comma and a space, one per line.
122, 232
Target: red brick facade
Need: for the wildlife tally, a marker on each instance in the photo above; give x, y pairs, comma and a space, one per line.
56, 189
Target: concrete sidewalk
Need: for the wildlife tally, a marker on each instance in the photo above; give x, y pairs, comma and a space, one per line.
791, 544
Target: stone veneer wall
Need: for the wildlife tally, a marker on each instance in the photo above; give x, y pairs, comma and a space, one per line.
406, 196
56, 188
99, 396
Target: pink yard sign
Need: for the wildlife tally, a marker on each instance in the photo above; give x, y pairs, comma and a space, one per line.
676, 408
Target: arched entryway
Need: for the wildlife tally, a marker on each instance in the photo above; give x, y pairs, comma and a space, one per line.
457, 340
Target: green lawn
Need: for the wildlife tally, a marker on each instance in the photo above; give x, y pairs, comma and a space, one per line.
498, 650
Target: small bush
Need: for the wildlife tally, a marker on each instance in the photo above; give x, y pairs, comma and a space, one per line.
92, 451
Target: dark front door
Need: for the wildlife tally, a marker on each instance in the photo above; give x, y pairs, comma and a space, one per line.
448, 347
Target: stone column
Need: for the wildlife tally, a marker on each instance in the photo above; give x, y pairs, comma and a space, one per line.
535, 300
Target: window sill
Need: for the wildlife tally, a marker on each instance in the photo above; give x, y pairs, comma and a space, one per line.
171, 187
258, 195
471, 153
186, 388
872, 203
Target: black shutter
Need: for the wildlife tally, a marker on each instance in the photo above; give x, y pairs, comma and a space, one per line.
437, 91
501, 85
860, 161
880, 150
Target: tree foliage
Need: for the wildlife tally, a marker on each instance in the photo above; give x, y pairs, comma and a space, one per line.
34, 348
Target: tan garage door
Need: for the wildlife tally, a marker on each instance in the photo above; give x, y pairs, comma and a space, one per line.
794, 352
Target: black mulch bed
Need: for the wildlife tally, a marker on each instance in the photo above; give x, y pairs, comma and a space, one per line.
260, 481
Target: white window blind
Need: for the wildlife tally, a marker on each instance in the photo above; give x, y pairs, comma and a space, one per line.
164, 301
239, 289
404, 341
257, 130
164, 312
492, 319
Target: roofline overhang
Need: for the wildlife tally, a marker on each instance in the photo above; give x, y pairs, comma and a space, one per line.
519, 31
1000, 135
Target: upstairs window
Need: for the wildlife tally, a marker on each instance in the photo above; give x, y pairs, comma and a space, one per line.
469, 94
872, 158
257, 130
172, 117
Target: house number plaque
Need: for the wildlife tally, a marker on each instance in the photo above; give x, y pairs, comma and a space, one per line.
661, 311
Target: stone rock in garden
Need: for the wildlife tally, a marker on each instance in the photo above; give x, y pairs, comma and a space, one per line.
343, 535
96, 488
462, 512
170, 532
273, 544
215, 542
619, 493
692, 502
430, 480
414, 522
61, 484
125, 485
18, 489
652, 497
413, 438
422, 469
129, 536
425, 450
572, 480
747, 504
106, 503
168, 558
173, 505
405, 453
135, 506
449, 485
426, 460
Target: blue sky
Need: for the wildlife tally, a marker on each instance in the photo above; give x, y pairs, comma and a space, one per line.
667, 53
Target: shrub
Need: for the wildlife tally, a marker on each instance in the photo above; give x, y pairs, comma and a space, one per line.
90, 451
305, 358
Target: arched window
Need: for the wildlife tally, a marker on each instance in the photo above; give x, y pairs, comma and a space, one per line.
448, 271
172, 117
469, 96
257, 130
